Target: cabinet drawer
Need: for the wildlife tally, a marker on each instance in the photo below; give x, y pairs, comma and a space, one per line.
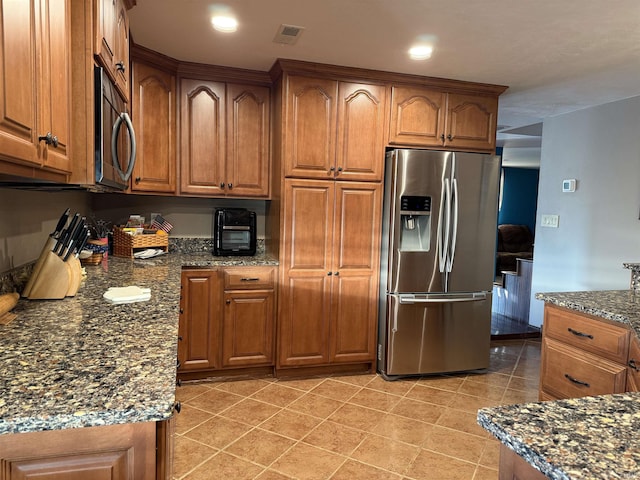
244, 278
586, 333
568, 372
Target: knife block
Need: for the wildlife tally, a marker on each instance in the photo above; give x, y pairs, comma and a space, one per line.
55, 279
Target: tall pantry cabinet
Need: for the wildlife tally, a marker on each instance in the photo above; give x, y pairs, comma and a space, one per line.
329, 148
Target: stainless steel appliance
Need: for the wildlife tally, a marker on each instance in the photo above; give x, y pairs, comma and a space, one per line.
234, 231
437, 264
115, 140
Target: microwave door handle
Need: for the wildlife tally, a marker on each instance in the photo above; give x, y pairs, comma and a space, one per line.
123, 117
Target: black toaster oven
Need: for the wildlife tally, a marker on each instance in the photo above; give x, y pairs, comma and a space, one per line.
234, 231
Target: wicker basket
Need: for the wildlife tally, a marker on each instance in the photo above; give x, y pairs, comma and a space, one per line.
125, 245
94, 259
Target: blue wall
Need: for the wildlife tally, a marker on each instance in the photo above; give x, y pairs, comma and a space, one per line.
519, 197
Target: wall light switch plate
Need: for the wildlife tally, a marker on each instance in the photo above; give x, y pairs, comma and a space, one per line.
550, 221
569, 185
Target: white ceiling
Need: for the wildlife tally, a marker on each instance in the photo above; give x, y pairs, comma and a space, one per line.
555, 56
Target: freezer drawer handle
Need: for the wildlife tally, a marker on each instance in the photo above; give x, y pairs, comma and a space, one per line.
411, 299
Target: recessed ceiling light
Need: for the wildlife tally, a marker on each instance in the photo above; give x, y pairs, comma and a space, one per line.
420, 52
224, 23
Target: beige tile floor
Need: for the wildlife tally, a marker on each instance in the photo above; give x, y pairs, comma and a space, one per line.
351, 427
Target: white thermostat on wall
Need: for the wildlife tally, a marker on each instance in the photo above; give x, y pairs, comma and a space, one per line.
569, 185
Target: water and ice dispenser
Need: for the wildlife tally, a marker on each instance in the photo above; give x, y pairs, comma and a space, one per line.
415, 223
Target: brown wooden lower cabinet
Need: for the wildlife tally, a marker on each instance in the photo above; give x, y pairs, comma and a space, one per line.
586, 355
514, 467
227, 322
112, 452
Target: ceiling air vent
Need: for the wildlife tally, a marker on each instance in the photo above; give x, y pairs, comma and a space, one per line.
288, 34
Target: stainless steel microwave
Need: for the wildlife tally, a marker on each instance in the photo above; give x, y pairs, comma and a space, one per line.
115, 140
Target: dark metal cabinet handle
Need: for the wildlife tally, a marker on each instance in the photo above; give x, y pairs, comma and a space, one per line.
632, 363
120, 67
329, 273
339, 169
230, 185
49, 139
228, 302
178, 364
181, 311
332, 169
579, 334
442, 137
576, 381
221, 184
178, 383
449, 137
249, 279
179, 338
137, 179
336, 273
177, 407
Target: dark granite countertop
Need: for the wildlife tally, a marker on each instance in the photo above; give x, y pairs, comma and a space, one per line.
581, 438
616, 305
82, 361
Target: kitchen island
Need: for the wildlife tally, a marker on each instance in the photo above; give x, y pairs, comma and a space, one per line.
81, 370
576, 438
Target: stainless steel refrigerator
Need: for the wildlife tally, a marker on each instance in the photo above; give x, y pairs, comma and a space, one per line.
438, 262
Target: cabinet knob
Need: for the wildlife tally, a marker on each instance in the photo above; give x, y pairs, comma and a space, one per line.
339, 169
120, 67
337, 273
179, 338
137, 180
49, 139
181, 311
177, 406
450, 137
178, 383
221, 184
329, 273
228, 302
230, 185
178, 364
442, 137
632, 364
332, 169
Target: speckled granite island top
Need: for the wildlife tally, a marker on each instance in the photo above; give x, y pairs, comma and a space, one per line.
616, 305
582, 438
82, 361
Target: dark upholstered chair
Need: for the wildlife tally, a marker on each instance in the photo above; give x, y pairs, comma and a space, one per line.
514, 241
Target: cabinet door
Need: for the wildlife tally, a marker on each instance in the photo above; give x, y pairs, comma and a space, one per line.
471, 122
633, 366
105, 31
200, 319
18, 80
248, 328
417, 117
304, 298
567, 372
310, 126
356, 259
153, 109
121, 58
202, 148
248, 160
55, 82
360, 127
112, 452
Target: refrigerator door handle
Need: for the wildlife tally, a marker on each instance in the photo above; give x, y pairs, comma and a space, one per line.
444, 221
454, 227
409, 299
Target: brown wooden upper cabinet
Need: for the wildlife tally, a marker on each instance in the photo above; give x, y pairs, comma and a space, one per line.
430, 118
224, 139
35, 88
112, 42
153, 110
334, 129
